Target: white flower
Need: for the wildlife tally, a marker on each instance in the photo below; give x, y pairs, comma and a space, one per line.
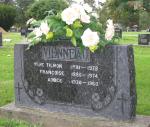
90, 38
82, 15
30, 21
85, 18
98, 3
87, 8
109, 22
69, 15
110, 31
78, 8
78, 1
95, 15
37, 32
44, 27
102, 1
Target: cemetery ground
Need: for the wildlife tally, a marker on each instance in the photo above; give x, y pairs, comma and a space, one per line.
14, 123
142, 63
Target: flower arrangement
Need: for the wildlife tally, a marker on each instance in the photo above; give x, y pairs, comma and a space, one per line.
78, 23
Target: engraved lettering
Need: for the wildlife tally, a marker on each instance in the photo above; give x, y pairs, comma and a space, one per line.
65, 54
38, 64
51, 72
55, 80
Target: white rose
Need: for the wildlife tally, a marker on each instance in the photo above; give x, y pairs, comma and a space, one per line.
110, 31
87, 8
78, 1
31, 21
85, 18
98, 3
80, 13
44, 27
95, 15
110, 23
102, 1
90, 38
78, 8
37, 32
69, 15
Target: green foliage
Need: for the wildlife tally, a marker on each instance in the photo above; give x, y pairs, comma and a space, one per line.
7, 16
85, 24
146, 5
59, 28
56, 25
144, 20
40, 9
15, 123
123, 11
22, 6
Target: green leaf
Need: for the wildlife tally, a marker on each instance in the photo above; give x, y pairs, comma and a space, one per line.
93, 48
69, 32
31, 35
81, 48
73, 40
78, 33
49, 36
77, 24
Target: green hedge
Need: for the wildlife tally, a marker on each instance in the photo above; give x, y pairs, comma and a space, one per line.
38, 10
7, 16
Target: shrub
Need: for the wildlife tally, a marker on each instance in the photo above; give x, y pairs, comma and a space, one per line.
7, 16
39, 9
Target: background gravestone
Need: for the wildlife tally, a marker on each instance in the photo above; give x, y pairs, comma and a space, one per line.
23, 32
144, 39
118, 31
1, 39
13, 29
135, 28
60, 78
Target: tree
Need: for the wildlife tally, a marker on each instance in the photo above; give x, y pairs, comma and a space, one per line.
40, 9
22, 6
144, 19
6, 1
7, 16
125, 12
146, 5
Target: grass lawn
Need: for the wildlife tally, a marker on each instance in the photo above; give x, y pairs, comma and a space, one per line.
142, 63
6, 68
15, 123
131, 37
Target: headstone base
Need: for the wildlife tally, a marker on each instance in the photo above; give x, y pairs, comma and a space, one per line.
54, 119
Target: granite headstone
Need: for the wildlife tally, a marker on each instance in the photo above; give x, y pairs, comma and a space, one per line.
144, 39
23, 32
13, 29
59, 78
118, 32
1, 39
135, 28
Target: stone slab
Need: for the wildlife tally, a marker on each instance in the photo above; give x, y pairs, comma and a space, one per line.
144, 39
54, 119
1, 39
59, 78
118, 33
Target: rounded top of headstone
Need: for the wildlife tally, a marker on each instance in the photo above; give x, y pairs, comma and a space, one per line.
2, 30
